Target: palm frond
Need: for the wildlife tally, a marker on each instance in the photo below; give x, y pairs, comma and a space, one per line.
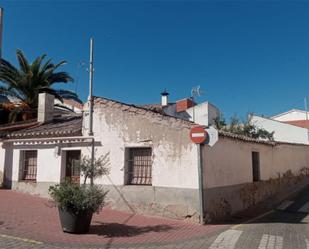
27, 81
59, 77
61, 63
52, 92
68, 94
23, 63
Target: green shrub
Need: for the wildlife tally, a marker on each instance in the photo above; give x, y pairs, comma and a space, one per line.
76, 198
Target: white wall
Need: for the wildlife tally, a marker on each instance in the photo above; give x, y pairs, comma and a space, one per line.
204, 113
283, 132
174, 155
292, 115
229, 162
48, 165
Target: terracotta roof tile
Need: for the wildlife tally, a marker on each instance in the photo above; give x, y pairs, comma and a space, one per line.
140, 110
299, 123
60, 127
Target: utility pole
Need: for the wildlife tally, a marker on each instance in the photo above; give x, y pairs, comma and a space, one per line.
90, 100
1, 30
306, 109
90, 97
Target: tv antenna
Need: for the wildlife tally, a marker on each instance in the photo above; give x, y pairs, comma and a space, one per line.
196, 92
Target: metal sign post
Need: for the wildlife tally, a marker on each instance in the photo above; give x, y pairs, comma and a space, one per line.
198, 136
200, 182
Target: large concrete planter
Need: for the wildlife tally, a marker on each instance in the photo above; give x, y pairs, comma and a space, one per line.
75, 223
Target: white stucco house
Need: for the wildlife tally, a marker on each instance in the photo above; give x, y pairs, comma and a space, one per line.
291, 126
291, 116
153, 162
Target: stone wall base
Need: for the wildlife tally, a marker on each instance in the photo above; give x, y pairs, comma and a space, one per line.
222, 202
176, 203
33, 188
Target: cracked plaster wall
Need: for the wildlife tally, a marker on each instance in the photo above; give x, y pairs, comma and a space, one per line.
174, 162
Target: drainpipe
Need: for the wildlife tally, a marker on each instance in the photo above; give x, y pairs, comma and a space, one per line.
200, 182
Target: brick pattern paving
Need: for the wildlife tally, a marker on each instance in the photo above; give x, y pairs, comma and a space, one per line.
25, 217
35, 218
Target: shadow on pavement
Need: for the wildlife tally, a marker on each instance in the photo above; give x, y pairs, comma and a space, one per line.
123, 230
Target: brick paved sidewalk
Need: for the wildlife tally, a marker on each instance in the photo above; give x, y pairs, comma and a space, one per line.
30, 217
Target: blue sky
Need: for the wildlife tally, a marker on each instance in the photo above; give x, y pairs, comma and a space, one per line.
247, 56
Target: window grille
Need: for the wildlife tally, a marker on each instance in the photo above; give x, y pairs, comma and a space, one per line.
140, 166
29, 165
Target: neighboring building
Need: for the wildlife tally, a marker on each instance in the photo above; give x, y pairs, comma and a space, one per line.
283, 132
290, 115
38, 153
202, 114
71, 104
291, 126
295, 117
153, 162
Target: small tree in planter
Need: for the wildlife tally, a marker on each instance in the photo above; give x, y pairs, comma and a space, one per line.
100, 167
77, 203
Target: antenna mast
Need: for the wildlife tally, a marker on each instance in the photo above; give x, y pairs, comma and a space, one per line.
195, 92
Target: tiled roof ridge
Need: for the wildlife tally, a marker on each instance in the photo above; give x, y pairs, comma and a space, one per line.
259, 141
51, 128
18, 123
245, 138
185, 122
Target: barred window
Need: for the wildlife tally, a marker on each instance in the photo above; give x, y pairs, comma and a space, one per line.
29, 166
139, 166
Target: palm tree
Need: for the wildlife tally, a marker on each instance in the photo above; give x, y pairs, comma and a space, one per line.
27, 81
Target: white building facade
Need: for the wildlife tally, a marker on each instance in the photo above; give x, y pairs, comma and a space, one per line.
153, 162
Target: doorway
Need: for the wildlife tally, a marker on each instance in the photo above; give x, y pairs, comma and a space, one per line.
72, 170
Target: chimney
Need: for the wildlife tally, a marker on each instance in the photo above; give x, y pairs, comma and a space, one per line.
46, 107
164, 98
184, 104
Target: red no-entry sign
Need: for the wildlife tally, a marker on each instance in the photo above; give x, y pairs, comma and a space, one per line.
198, 134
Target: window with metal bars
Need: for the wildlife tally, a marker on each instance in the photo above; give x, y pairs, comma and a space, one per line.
139, 170
29, 166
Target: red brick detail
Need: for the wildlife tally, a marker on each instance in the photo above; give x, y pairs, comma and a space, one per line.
184, 104
299, 123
